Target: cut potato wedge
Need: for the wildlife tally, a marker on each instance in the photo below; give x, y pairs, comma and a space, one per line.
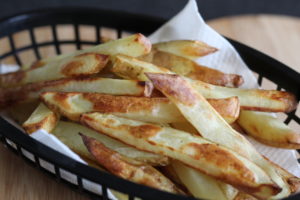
80, 65
250, 99
191, 69
30, 92
67, 132
82, 62
41, 118
190, 49
203, 155
190, 102
156, 110
269, 130
200, 185
134, 45
118, 165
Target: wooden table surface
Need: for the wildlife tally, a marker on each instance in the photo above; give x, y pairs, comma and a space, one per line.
277, 36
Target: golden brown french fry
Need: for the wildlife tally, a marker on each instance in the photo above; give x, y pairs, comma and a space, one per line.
195, 151
118, 165
67, 132
30, 92
131, 68
156, 110
80, 65
41, 118
292, 180
250, 99
199, 184
193, 70
134, 45
209, 123
190, 49
269, 130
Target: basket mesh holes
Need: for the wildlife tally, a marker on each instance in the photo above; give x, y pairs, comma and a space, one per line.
67, 48
85, 46
120, 195
92, 186
87, 33
47, 165
47, 51
108, 33
65, 32
43, 34
28, 155
68, 176
11, 143
126, 34
27, 57
4, 46
281, 116
21, 39
268, 85
294, 126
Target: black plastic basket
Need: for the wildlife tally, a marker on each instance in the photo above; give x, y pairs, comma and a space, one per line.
266, 68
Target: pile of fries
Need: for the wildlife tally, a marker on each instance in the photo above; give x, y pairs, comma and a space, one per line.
161, 119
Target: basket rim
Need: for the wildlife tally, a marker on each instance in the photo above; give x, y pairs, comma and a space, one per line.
46, 153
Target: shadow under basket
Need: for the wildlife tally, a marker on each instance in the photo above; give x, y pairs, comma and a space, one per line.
42, 33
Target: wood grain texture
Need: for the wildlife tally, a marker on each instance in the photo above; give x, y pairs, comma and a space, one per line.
277, 36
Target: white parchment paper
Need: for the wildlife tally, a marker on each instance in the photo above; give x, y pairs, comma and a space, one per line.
188, 24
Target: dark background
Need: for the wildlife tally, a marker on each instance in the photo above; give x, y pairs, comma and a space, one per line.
162, 8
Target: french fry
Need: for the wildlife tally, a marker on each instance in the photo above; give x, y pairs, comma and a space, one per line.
134, 45
132, 68
250, 99
118, 165
30, 92
269, 130
190, 49
41, 118
191, 69
80, 65
156, 110
67, 132
209, 123
200, 185
195, 151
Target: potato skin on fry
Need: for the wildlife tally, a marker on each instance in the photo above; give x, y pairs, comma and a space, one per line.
118, 165
80, 65
64, 131
30, 92
250, 99
181, 92
41, 118
155, 110
201, 154
193, 70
